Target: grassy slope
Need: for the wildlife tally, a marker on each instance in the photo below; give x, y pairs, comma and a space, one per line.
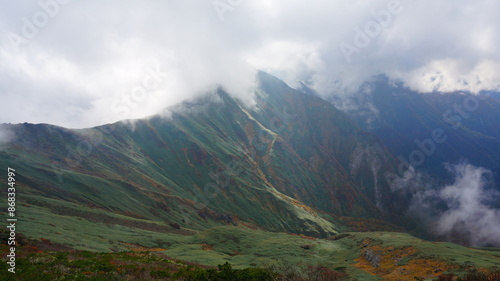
401, 256
142, 186
176, 170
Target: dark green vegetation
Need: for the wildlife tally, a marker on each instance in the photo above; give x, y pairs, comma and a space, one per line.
215, 181
50, 265
233, 253
291, 163
473, 275
399, 116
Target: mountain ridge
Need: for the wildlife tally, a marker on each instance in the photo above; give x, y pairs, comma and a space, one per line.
197, 145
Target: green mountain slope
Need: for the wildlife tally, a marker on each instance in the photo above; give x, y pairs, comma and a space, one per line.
347, 256
290, 163
216, 180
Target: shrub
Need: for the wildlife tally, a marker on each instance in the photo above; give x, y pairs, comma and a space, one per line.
475, 276
447, 277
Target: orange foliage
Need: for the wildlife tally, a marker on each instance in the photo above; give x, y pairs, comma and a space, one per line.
206, 247
388, 264
44, 240
307, 237
249, 225
139, 248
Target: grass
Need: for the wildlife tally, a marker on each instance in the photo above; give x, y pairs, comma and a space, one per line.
448, 252
127, 194
77, 227
82, 234
397, 256
240, 246
80, 265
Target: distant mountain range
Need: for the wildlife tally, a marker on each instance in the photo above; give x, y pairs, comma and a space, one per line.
291, 163
217, 172
430, 129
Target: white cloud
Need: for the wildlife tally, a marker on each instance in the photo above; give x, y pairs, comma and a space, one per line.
449, 75
6, 135
292, 61
91, 54
468, 214
460, 212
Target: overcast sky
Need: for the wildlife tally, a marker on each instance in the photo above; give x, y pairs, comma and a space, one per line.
85, 63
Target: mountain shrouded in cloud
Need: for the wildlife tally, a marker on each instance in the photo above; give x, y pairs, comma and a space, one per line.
81, 64
214, 160
250, 139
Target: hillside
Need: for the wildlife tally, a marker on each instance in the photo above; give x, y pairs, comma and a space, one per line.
404, 119
291, 163
215, 180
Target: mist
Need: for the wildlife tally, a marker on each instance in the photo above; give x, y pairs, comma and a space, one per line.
469, 218
81, 64
460, 212
6, 135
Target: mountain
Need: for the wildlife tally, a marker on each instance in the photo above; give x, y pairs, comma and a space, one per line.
492, 94
216, 180
291, 163
465, 127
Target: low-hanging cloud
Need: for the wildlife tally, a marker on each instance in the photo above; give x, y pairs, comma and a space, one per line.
85, 59
460, 212
469, 218
6, 135
96, 63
